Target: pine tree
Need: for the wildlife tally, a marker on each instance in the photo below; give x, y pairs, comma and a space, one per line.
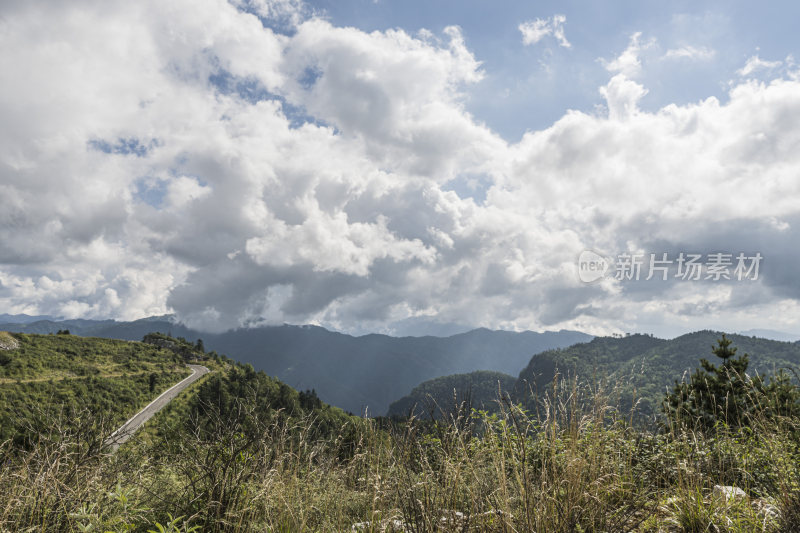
715, 394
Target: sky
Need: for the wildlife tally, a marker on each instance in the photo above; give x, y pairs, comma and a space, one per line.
403, 167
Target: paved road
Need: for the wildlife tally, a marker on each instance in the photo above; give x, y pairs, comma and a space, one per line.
129, 428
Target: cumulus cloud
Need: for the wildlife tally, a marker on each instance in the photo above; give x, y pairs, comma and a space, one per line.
628, 63
622, 94
190, 157
535, 30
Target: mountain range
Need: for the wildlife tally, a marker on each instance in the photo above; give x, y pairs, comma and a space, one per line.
636, 369
370, 372
358, 374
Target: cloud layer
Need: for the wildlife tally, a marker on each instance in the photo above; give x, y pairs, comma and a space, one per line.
248, 162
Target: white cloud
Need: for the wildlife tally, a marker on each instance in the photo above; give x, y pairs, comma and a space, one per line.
330, 243
628, 62
622, 94
398, 95
690, 52
755, 63
184, 157
289, 12
184, 190
622, 97
535, 30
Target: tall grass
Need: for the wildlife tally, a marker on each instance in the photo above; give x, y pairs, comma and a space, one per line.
575, 463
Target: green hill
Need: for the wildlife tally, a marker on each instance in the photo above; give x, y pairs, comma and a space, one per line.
435, 397
641, 367
45, 375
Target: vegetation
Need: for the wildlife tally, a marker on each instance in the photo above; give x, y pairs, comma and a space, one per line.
641, 368
441, 397
65, 374
244, 452
354, 373
179, 346
727, 394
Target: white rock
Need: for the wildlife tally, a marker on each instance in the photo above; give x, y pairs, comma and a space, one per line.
7, 342
727, 493
452, 518
387, 526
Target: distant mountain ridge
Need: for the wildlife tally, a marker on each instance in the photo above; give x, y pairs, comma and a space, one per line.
354, 373
5, 318
772, 335
645, 367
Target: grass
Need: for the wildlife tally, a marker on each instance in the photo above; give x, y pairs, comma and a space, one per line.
242, 452
576, 466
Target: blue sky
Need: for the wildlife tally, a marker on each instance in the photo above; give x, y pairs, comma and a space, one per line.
398, 167
529, 87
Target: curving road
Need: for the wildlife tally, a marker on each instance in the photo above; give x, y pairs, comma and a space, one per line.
129, 428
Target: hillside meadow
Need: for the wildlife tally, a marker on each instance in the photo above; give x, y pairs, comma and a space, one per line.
241, 451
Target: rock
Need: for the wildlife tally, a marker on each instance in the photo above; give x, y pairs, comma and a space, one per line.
448, 521
452, 519
7, 341
729, 494
766, 510
384, 526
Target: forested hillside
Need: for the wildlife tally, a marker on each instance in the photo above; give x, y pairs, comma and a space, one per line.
47, 375
642, 368
457, 392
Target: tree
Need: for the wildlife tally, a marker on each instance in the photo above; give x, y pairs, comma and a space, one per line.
309, 400
783, 396
200, 347
714, 394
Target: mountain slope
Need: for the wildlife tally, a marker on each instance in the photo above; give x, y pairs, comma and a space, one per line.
44, 375
105, 382
354, 373
480, 390
645, 367
370, 371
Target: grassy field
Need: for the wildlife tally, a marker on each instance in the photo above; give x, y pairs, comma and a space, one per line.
577, 469
244, 452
